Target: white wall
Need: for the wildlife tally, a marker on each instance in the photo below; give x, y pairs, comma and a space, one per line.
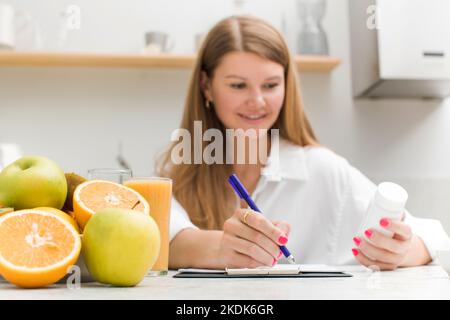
77, 116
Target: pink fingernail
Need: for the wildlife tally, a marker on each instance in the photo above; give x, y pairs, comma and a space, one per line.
385, 222
280, 255
283, 240
368, 233
355, 252
274, 262
357, 241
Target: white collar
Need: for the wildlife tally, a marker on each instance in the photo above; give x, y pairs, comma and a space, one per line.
289, 164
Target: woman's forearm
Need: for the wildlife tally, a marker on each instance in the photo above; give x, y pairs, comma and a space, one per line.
418, 254
193, 248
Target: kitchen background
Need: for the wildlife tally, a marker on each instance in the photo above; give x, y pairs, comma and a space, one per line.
78, 116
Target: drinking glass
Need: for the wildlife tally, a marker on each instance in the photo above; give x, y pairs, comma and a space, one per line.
109, 174
158, 192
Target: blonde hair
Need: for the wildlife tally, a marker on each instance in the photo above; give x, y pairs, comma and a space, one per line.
202, 189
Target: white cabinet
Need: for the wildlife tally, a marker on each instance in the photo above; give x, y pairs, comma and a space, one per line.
407, 54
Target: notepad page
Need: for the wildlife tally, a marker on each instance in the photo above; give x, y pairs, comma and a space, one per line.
277, 269
193, 270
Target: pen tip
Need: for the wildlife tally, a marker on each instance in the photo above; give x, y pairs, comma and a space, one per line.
291, 260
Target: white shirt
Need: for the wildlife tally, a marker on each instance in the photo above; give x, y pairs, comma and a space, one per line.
324, 199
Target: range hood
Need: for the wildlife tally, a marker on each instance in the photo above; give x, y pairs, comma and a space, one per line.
400, 48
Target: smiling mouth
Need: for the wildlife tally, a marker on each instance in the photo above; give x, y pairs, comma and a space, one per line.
253, 117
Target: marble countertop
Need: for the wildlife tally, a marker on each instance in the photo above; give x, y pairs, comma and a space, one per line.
427, 282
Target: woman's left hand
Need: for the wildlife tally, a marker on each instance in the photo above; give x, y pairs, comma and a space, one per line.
387, 253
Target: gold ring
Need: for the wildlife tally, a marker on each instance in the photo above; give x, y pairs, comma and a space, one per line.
246, 214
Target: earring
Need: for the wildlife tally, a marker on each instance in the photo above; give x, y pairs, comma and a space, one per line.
208, 104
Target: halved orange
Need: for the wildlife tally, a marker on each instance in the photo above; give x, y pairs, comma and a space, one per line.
36, 247
61, 214
93, 195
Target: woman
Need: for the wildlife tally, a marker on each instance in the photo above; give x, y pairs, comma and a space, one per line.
245, 79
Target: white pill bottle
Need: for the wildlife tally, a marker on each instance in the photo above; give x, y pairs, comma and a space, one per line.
389, 202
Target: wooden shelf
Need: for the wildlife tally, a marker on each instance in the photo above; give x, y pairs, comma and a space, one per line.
316, 64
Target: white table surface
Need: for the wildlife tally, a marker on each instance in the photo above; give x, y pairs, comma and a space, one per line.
427, 282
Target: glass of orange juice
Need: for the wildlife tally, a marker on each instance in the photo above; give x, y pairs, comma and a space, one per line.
158, 192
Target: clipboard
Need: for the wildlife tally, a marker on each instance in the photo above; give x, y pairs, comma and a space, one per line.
279, 271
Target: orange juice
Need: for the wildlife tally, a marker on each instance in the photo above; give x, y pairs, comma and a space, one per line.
158, 193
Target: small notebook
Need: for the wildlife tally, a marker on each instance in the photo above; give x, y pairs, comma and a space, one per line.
280, 271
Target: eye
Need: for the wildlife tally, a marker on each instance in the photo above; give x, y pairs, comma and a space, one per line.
270, 85
240, 85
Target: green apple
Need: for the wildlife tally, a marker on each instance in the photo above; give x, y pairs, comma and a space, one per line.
120, 246
33, 181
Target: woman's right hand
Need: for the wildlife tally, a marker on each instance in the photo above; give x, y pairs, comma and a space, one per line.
250, 240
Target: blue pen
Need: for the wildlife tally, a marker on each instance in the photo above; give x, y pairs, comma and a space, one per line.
243, 194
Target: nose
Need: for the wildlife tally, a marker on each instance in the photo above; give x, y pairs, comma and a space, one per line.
256, 99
